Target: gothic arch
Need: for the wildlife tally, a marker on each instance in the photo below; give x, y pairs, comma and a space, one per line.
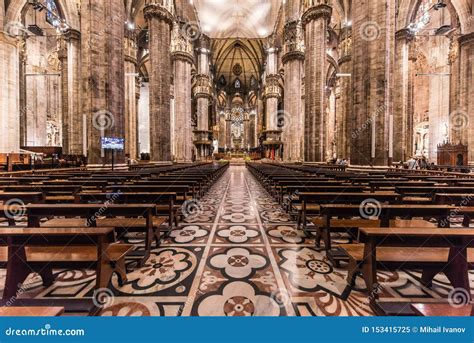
68, 10
460, 11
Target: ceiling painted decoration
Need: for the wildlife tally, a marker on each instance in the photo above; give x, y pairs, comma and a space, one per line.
237, 19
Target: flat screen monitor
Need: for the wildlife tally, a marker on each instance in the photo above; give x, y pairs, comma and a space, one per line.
112, 143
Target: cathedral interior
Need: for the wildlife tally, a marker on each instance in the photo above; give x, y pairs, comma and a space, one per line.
235, 100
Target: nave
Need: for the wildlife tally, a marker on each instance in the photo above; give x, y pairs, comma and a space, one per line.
237, 254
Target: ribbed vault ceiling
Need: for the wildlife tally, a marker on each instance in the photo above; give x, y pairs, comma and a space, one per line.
237, 19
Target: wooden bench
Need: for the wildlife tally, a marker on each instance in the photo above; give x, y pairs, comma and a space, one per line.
91, 213
24, 250
316, 200
385, 213
433, 250
165, 206
442, 310
52, 193
10, 311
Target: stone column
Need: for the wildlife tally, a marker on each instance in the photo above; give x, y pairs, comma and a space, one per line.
372, 56
102, 52
70, 57
344, 102
9, 95
131, 109
315, 21
182, 56
293, 62
252, 133
203, 95
159, 20
462, 120
246, 142
260, 119
222, 132
228, 133
402, 115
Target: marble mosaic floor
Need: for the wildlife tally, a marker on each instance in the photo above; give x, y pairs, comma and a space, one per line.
238, 255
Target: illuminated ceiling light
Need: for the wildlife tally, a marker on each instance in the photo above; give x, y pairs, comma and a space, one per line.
262, 32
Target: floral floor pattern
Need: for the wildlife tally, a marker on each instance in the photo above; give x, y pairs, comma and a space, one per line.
239, 255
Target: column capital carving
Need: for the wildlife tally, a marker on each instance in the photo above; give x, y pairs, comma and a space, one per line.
72, 34
202, 87
130, 50
466, 39
294, 42
158, 11
272, 87
318, 9
182, 56
345, 44
181, 45
404, 34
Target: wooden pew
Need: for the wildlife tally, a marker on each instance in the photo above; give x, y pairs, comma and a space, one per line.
52, 193
196, 190
392, 184
442, 310
164, 201
437, 250
24, 250
311, 202
295, 202
91, 214
383, 212
35, 312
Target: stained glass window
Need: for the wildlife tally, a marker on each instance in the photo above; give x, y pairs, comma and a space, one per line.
237, 117
52, 15
423, 16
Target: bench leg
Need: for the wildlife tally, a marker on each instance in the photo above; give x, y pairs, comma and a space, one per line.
428, 275
369, 278
17, 272
318, 237
46, 274
121, 271
467, 221
299, 221
354, 270
104, 274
